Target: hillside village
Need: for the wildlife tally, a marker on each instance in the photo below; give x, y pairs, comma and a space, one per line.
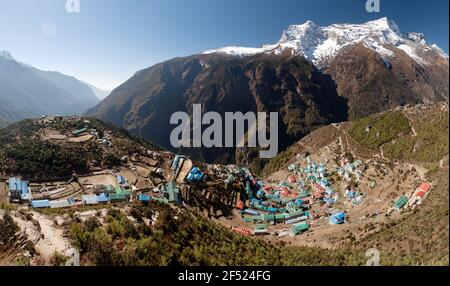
331, 188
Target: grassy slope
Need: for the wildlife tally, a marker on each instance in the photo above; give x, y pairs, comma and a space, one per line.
421, 237
181, 238
430, 144
384, 128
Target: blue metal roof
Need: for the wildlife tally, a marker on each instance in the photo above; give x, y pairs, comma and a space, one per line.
24, 187
26, 196
338, 218
103, 198
89, 199
40, 204
121, 179
80, 131
61, 204
16, 184
145, 198
13, 184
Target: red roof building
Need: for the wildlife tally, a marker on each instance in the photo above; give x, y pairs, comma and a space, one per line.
421, 194
424, 187
240, 205
318, 195
242, 230
268, 189
285, 192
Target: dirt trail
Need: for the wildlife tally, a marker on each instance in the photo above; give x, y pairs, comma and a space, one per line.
53, 239
48, 240
443, 162
348, 146
413, 130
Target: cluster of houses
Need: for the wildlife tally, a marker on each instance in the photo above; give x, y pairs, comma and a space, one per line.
287, 203
293, 202
183, 171
122, 191
102, 194
109, 193
168, 193
104, 140
349, 171
20, 192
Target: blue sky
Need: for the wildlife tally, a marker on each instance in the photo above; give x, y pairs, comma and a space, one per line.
109, 40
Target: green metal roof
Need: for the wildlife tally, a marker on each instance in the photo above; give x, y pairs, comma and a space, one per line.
401, 202
261, 226
118, 197
280, 216
258, 218
301, 227
269, 217
121, 191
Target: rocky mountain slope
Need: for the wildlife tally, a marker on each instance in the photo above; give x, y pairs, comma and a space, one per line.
29, 92
313, 76
100, 93
11, 113
304, 97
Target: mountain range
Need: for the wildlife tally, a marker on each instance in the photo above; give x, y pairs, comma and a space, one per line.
322, 44
312, 76
27, 92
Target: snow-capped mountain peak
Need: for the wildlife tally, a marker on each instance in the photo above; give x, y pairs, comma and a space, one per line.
297, 32
383, 24
6, 55
321, 44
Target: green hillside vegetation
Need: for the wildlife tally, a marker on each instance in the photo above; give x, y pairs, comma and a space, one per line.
13, 242
8, 229
384, 128
430, 144
186, 239
16, 131
24, 153
278, 162
33, 158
